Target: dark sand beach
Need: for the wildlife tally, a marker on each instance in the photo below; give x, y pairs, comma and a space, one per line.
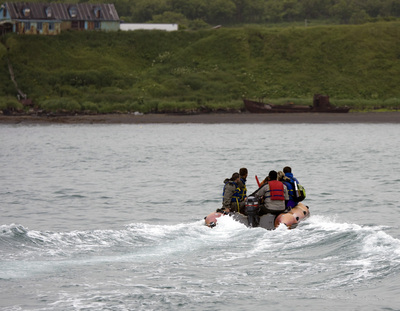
312, 118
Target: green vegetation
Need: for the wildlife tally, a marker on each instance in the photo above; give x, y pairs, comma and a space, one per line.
10, 103
205, 70
195, 14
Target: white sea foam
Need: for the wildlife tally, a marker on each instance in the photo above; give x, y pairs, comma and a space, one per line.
383, 245
329, 223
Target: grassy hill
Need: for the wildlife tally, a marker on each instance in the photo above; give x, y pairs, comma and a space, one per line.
148, 71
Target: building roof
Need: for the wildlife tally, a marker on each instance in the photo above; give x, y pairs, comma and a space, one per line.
62, 11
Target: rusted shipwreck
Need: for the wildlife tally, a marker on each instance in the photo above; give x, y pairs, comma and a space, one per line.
320, 104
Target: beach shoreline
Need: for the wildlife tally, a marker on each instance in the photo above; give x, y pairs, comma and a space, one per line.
212, 118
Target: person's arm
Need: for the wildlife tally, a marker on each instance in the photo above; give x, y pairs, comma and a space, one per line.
259, 194
285, 193
229, 191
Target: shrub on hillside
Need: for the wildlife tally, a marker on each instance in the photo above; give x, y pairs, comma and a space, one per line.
90, 107
62, 104
3, 51
176, 107
392, 103
197, 24
113, 108
10, 104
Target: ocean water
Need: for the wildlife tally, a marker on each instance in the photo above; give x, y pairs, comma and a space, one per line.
110, 217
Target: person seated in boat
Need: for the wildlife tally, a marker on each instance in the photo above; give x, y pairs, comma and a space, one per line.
273, 195
242, 189
286, 181
289, 180
230, 194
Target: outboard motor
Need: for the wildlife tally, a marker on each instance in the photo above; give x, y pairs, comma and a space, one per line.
252, 209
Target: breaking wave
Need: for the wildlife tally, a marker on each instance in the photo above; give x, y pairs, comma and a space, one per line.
318, 238
332, 256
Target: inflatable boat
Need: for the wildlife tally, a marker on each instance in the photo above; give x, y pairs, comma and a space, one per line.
267, 221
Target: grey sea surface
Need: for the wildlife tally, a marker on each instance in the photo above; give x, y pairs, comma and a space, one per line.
110, 217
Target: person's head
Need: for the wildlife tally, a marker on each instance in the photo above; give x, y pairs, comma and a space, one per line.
287, 169
243, 172
281, 175
235, 177
273, 175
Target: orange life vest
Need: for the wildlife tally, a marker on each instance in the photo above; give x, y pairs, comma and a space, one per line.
276, 192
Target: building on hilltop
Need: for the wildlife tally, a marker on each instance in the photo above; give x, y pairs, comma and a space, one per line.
52, 18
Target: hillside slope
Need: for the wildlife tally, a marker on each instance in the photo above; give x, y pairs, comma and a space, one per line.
203, 68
